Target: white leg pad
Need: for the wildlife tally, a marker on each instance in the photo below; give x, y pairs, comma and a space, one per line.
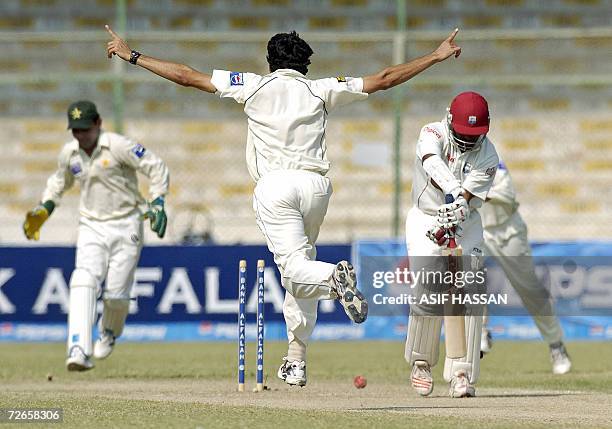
423, 339
471, 362
81, 316
114, 315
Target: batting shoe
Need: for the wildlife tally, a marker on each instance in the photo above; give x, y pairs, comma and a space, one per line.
104, 345
421, 378
486, 341
293, 373
561, 363
460, 386
78, 360
345, 287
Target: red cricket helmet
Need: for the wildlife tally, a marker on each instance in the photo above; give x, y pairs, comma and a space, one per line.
468, 115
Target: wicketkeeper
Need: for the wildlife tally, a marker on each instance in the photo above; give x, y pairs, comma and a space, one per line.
110, 228
506, 240
453, 157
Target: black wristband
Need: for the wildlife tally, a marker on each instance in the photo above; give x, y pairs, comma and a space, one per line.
134, 55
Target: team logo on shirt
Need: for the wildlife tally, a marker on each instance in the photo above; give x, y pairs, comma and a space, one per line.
138, 150
467, 168
75, 169
236, 78
341, 79
434, 132
491, 171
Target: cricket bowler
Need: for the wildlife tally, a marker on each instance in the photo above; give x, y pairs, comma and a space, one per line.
505, 240
110, 231
286, 153
453, 157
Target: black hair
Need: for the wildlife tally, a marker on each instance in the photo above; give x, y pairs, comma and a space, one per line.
288, 51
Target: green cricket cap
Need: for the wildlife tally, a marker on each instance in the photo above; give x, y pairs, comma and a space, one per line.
82, 115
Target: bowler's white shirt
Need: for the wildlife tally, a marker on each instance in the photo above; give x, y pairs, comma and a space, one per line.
287, 115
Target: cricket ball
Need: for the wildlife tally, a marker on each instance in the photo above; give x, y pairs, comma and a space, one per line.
49, 377
360, 382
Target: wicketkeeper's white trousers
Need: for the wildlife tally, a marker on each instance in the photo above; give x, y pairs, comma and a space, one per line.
290, 206
514, 257
106, 258
110, 250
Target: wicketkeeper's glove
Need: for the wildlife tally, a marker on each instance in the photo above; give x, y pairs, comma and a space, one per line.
35, 219
157, 215
453, 214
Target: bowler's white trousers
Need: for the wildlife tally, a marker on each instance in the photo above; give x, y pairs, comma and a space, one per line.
290, 206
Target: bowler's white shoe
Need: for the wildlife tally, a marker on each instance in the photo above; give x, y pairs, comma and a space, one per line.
460, 386
293, 373
486, 341
104, 345
78, 360
561, 363
345, 286
421, 378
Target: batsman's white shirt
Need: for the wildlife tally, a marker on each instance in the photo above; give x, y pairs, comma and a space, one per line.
286, 155
287, 115
108, 180
475, 171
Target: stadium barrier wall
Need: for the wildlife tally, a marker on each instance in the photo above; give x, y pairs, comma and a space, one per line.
190, 293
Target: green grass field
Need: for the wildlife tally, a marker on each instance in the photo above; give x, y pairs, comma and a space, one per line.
194, 385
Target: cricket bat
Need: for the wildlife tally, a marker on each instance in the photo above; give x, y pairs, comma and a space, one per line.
454, 320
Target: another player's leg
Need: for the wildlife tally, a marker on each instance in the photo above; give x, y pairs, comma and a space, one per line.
462, 373
83, 292
422, 350
290, 209
520, 271
486, 339
300, 317
423, 337
84, 288
125, 236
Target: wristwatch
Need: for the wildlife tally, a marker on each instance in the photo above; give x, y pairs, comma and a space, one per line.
134, 55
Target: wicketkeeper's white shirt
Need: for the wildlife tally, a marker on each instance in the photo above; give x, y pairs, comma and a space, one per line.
287, 115
108, 180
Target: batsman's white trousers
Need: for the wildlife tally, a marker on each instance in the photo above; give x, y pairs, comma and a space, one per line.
514, 257
423, 336
290, 206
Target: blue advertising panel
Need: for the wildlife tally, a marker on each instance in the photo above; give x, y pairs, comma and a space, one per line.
578, 276
178, 292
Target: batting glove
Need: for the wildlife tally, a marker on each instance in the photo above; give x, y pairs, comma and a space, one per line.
439, 235
157, 215
452, 214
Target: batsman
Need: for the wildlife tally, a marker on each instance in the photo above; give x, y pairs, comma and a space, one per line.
455, 161
110, 234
